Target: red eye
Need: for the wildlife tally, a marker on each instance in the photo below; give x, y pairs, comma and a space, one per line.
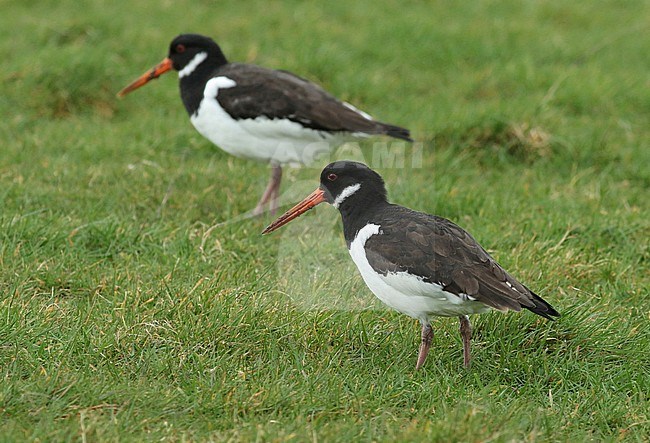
180, 48
331, 177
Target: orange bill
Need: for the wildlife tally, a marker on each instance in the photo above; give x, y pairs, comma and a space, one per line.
315, 198
155, 72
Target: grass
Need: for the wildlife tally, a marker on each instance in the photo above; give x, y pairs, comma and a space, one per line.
135, 304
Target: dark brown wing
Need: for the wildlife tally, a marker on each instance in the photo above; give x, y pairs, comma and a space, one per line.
441, 252
283, 95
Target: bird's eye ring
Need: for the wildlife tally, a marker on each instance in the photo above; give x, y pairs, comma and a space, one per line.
331, 177
180, 48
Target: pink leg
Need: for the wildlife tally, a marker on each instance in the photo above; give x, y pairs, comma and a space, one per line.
466, 334
425, 344
275, 195
271, 192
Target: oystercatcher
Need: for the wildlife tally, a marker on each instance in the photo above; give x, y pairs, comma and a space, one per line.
419, 264
259, 113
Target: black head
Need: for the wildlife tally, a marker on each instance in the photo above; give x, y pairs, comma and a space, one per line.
186, 47
351, 183
351, 187
188, 54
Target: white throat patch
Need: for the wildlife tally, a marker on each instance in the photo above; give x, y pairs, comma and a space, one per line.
345, 194
191, 66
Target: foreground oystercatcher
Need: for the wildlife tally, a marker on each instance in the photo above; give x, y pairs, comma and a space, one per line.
259, 113
419, 264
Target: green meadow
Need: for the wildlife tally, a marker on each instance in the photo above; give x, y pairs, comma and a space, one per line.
138, 302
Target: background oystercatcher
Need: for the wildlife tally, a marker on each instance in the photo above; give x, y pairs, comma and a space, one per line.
419, 264
259, 113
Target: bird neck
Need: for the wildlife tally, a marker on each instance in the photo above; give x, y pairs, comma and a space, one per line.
193, 85
356, 216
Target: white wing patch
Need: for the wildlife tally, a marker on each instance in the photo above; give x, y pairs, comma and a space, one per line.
358, 111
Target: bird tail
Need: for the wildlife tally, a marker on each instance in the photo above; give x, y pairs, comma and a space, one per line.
542, 307
395, 131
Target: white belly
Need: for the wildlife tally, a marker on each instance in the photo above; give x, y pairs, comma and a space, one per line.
407, 293
277, 141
